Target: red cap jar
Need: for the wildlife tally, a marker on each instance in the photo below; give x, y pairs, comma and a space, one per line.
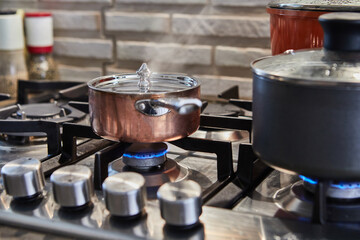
39, 32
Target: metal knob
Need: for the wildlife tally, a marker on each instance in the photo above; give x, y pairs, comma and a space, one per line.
125, 194
72, 186
23, 177
180, 202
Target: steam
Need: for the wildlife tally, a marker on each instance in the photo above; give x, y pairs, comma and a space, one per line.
174, 52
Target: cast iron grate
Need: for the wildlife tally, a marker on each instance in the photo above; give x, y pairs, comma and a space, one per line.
222, 149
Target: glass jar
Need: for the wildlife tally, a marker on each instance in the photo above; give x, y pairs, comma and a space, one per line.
39, 42
42, 66
12, 59
12, 68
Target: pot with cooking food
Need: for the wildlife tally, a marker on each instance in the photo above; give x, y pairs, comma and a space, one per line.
294, 23
144, 107
306, 105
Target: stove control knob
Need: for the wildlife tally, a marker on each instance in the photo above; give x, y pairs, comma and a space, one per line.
23, 178
180, 203
72, 186
125, 194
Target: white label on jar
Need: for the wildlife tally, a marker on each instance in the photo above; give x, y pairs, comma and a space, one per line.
39, 31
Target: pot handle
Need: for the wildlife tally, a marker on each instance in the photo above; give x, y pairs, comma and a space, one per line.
161, 106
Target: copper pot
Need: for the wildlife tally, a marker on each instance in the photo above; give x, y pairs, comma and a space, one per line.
168, 110
294, 23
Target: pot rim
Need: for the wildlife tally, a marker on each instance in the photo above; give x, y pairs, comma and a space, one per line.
299, 80
314, 7
91, 83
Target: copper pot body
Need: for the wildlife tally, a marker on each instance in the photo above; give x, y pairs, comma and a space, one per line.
113, 116
294, 29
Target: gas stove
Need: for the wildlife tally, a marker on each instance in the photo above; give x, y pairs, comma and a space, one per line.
97, 189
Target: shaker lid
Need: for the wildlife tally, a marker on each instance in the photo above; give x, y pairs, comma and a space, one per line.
37, 14
39, 32
7, 12
317, 5
337, 64
11, 31
132, 83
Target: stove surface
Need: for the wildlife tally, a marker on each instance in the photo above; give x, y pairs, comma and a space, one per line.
96, 223
252, 218
284, 196
246, 202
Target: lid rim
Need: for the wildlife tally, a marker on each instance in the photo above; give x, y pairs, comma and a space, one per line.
299, 81
304, 7
113, 77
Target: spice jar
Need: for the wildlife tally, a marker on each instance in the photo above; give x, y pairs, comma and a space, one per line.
12, 60
39, 42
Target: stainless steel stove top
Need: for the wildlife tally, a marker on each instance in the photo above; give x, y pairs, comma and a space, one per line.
262, 201
96, 223
258, 213
255, 217
284, 196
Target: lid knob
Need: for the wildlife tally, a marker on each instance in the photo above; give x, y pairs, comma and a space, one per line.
125, 194
23, 177
180, 203
144, 74
341, 31
72, 186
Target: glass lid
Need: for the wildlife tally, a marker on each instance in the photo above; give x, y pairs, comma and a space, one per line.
337, 64
144, 82
309, 67
317, 5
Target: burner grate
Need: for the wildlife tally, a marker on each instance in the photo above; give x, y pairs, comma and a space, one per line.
326, 190
4, 96
25, 87
51, 129
222, 149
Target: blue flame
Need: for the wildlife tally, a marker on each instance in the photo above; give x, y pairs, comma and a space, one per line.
309, 180
347, 185
145, 155
340, 185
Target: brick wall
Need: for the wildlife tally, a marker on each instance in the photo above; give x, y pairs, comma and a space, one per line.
214, 40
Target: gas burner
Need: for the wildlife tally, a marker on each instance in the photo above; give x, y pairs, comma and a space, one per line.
41, 111
152, 163
19, 114
336, 190
46, 111
38, 111
296, 201
145, 155
223, 109
169, 171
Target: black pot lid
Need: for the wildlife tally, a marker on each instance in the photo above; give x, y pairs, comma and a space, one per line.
317, 5
337, 64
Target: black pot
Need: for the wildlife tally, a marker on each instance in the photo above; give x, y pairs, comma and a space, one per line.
306, 105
